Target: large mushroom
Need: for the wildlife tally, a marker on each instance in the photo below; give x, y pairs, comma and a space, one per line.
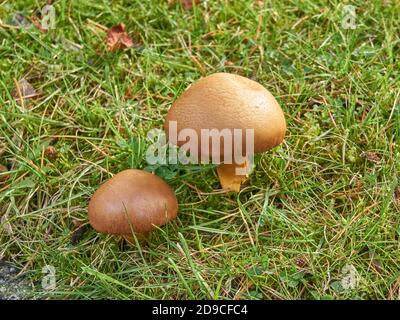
224, 101
133, 201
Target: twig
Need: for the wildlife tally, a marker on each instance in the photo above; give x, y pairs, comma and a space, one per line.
20, 97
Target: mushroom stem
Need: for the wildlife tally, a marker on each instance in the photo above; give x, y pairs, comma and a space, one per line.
231, 176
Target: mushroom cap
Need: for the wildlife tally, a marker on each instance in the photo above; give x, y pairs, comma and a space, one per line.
133, 200
228, 101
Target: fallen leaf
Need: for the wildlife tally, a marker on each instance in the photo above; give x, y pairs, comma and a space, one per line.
2, 149
394, 291
23, 90
188, 4
3, 176
370, 156
48, 233
312, 101
6, 225
38, 24
129, 94
118, 39
375, 261
77, 235
79, 232
20, 20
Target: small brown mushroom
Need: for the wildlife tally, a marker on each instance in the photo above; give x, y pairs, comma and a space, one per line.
133, 201
224, 101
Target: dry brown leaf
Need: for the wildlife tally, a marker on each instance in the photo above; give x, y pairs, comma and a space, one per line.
394, 291
312, 101
3, 177
78, 233
23, 90
370, 156
375, 261
48, 233
6, 225
38, 24
118, 39
188, 4
2, 149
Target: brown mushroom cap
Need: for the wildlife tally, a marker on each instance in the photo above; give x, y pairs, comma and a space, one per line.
132, 201
228, 101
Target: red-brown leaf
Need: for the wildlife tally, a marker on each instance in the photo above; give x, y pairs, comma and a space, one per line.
36, 22
118, 39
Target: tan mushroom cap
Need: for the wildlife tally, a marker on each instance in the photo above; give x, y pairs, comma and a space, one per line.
228, 101
132, 201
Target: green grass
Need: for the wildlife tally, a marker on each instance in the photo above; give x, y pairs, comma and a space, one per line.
311, 207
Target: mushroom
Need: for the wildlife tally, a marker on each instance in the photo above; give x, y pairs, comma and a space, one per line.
227, 101
133, 201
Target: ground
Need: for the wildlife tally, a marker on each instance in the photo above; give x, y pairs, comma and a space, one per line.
319, 216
